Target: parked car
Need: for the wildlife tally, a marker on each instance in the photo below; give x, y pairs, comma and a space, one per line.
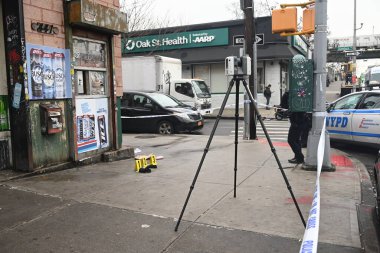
355, 118
157, 112
376, 170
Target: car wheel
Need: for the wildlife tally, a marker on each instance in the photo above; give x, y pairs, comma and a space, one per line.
165, 127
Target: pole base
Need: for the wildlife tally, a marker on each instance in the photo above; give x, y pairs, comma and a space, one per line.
307, 167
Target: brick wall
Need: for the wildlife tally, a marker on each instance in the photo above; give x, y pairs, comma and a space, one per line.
51, 12
44, 11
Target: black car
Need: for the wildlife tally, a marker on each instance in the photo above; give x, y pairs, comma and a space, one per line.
376, 170
148, 112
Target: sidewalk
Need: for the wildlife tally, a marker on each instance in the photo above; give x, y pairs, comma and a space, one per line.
107, 207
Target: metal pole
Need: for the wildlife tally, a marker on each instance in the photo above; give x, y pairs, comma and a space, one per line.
249, 38
354, 50
237, 84
319, 103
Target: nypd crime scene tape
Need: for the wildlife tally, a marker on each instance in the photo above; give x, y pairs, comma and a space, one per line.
310, 238
211, 109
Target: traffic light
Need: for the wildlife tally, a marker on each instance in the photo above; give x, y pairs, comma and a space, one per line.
308, 20
284, 20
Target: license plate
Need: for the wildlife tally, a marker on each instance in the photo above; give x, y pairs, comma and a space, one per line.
199, 123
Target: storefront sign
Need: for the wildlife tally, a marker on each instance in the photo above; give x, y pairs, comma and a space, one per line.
92, 124
91, 14
193, 39
48, 72
299, 44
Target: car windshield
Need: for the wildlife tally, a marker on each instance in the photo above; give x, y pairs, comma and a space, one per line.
375, 78
164, 100
201, 89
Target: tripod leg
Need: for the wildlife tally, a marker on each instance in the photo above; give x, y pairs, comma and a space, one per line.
236, 132
205, 151
273, 150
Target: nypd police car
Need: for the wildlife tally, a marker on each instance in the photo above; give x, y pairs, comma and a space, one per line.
355, 118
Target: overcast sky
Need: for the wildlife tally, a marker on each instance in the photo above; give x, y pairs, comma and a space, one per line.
340, 13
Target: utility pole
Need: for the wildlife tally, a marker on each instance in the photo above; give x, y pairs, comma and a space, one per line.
354, 49
249, 38
354, 45
319, 103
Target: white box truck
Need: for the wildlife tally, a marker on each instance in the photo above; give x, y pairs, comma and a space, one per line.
163, 74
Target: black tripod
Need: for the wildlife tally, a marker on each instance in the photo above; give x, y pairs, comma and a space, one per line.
237, 79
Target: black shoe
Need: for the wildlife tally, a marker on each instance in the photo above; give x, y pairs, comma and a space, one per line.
295, 161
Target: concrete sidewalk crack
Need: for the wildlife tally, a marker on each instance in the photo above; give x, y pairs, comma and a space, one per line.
41, 216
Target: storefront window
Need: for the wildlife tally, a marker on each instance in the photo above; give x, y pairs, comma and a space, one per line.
90, 64
202, 72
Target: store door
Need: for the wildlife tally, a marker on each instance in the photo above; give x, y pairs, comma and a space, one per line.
92, 96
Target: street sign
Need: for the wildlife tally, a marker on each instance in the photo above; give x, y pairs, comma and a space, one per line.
239, 39
260, 39
343, 48
348, 54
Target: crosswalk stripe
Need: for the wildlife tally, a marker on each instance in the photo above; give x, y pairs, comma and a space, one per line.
277, 130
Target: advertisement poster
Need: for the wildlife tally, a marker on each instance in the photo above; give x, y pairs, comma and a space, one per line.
4, 119
92, 124
48, 72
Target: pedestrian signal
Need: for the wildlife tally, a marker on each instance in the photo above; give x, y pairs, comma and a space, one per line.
284, 20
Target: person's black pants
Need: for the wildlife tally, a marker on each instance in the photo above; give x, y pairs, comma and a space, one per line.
294, 140
268, 98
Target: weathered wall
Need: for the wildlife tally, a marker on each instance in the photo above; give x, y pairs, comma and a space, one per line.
44, 11
54, 148
48, 149
117, 60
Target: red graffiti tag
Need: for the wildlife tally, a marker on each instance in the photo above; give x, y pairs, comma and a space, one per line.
14, 57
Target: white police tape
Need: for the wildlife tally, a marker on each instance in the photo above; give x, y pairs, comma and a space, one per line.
310, 237
211, 109
154, 116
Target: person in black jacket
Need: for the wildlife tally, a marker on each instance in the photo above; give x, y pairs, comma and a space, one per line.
268, 94
297, 126
297, 121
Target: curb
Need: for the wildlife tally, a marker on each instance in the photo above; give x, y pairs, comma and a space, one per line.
110, 156
365, 209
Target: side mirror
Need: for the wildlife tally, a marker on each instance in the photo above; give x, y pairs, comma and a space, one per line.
329, 107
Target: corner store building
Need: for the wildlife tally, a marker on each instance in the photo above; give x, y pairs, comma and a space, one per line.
60, 65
